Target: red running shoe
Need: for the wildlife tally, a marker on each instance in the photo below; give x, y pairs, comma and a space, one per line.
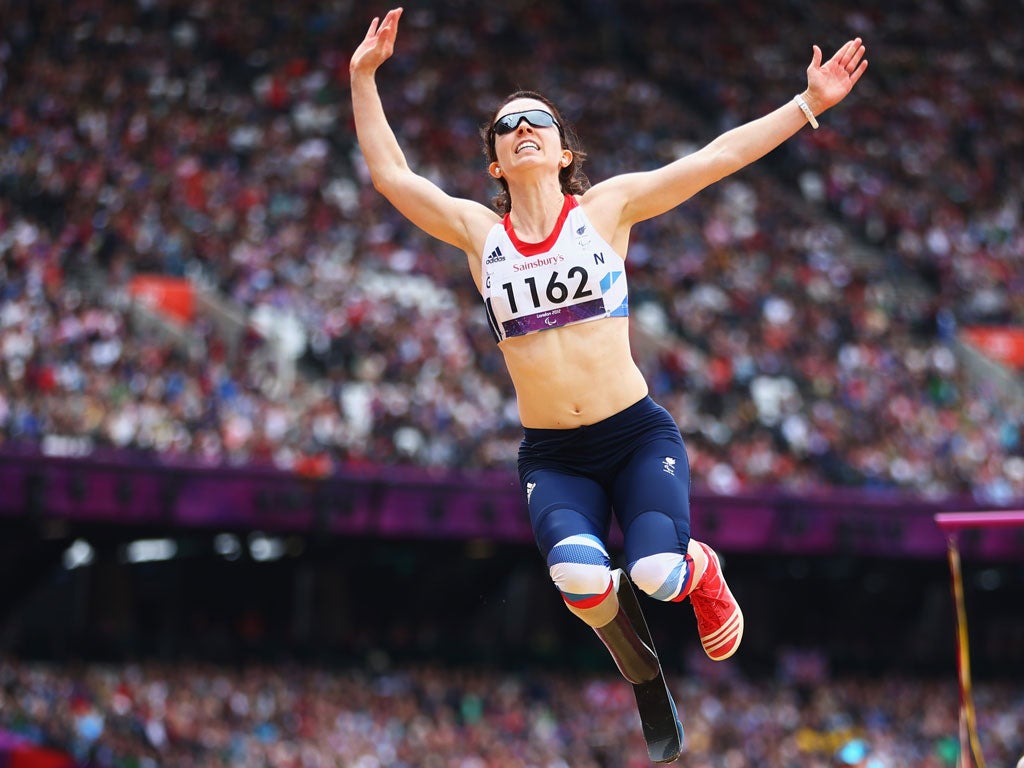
719, 618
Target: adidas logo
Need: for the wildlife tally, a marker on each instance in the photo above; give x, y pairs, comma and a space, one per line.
494, 256
668, 466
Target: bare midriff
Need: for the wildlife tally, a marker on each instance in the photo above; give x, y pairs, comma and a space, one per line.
575, 375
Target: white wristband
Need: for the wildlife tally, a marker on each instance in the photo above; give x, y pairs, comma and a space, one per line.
806, 110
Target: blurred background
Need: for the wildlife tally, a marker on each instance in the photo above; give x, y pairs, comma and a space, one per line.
257, 494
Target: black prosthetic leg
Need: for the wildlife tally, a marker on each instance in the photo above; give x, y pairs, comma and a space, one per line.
629, 641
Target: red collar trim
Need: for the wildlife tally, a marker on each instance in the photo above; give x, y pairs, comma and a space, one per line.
532, 249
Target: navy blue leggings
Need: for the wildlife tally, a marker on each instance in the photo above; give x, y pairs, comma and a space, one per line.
632, 465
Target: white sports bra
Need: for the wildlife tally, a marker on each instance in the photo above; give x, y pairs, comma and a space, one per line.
573, 276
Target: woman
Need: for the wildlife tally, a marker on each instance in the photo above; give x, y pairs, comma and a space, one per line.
549, 267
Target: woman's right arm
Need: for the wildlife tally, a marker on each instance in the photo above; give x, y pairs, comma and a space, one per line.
447, 218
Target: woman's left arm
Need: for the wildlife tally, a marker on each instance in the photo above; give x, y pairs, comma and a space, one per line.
640, 196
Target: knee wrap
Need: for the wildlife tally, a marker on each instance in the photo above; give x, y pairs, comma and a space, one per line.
579, 567
667, 576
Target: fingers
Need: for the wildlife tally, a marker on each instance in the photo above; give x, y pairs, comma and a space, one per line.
849, 59
852, 61
388, 26
850, 54
829, 82
855, 75
388, 29
815, 56
391, 19
378, 44
856, 58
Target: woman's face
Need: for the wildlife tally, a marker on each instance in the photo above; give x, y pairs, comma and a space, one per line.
530, 138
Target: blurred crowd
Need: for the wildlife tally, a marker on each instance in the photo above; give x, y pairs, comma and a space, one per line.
197, 716
797, 320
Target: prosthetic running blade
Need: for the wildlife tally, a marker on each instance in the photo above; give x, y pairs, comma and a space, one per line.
662, 729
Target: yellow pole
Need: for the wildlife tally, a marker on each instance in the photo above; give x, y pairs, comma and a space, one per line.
968, 722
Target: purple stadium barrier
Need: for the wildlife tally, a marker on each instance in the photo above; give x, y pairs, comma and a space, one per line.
411, 502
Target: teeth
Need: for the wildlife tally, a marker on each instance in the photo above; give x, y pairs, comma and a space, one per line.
526, 144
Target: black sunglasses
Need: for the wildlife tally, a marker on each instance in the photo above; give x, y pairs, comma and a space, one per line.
538, 118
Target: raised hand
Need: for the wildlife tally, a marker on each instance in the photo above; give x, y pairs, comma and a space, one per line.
828, 83
378, 45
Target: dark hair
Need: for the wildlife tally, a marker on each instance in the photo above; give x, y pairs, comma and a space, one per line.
572, 178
